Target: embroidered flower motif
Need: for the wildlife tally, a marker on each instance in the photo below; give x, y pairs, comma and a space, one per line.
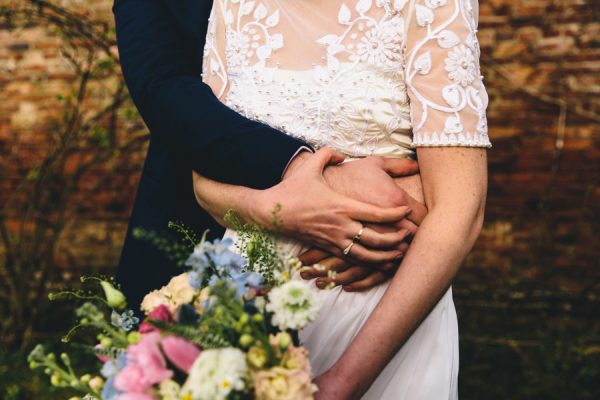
379, 45
237, 49
482, 126
460, 65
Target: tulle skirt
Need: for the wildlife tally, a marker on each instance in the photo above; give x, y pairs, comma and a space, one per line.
425, 368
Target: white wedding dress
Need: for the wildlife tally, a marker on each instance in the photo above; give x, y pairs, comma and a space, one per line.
365, 77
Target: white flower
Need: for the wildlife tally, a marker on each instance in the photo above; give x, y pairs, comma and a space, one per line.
293, 305
177, 292
169, 390
379, 45
215, 373
460, 65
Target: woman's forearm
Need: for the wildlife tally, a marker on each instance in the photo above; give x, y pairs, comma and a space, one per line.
431, 263
441, 244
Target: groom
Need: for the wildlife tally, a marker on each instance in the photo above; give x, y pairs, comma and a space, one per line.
161, 48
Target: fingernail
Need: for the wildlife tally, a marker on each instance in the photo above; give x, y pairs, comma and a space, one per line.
305, 269
319, 267
348, 288
305, 275
321, 284
399, 256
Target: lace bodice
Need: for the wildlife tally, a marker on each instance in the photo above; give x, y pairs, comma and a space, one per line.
364, 77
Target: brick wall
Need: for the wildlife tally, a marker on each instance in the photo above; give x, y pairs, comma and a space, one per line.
541, 57
541, 63
537, 56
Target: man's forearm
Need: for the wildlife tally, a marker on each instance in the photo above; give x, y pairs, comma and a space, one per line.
160, 68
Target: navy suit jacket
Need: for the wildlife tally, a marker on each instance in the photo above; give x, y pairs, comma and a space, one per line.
161, 49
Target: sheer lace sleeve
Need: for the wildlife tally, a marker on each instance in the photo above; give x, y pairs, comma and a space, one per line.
214, 69
448, 100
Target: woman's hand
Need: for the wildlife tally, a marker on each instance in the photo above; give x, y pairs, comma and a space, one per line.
304, 206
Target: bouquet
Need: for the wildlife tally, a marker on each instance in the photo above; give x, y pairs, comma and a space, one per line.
225, 328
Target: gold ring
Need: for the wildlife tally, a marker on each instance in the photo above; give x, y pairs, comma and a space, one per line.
356, 237
347, 249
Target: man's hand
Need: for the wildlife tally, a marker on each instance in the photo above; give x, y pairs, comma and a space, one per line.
296, 163
311, 211
361, 179
371, 180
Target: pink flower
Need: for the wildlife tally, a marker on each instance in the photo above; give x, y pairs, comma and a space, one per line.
160, 313
146, 366
136, 396
131, 379
180, 352
100, 357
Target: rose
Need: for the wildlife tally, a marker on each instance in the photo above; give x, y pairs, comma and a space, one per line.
283, 384
291, 381
160, 313
177, 292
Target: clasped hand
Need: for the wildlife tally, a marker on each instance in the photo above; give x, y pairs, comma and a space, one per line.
324, 203
383, 182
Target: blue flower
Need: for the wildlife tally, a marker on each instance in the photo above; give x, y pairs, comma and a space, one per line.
196, 276
216, 254
126, 320
244, 280
109, 392
112, 367
213, 280
255, 280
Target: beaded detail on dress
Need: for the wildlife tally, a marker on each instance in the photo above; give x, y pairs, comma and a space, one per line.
367, 77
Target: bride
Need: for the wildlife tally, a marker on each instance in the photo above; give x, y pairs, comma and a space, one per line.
358, 79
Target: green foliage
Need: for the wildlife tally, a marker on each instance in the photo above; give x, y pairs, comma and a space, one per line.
258, 246
175, 250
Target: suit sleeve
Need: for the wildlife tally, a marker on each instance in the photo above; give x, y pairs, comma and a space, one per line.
158, 63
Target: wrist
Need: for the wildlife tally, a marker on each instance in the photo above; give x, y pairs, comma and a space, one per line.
330, 173
256, 207
296, 163
337, 385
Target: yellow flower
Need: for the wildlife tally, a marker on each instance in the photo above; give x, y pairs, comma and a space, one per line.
280, 342
202, 296
169, 390
96, 383
257, 356
296, 358
283, 384
177, 292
